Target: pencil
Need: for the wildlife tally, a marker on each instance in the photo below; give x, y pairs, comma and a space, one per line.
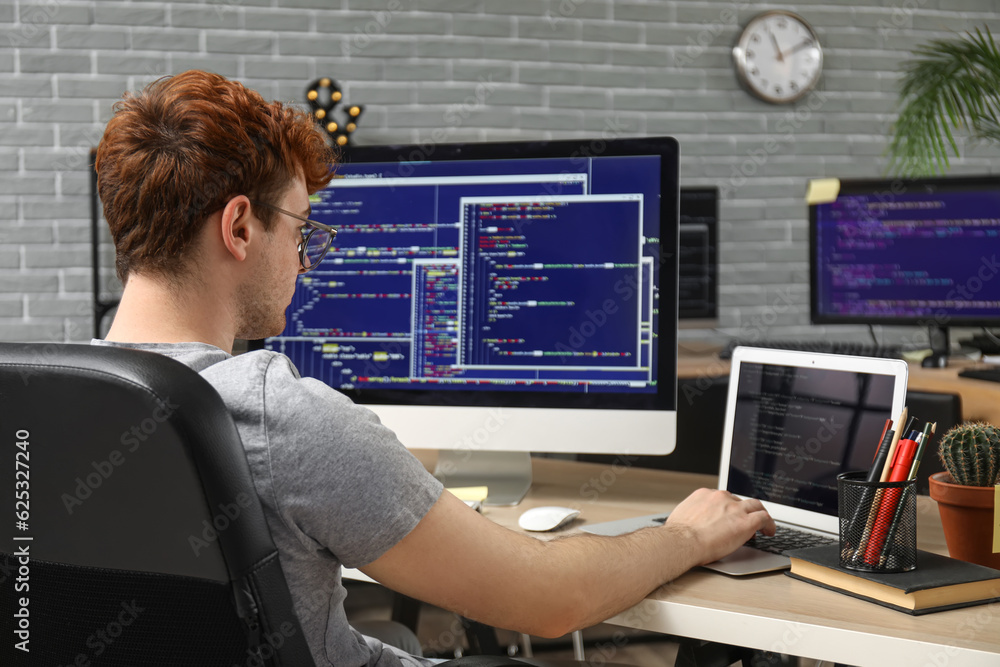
860, 516
895, 441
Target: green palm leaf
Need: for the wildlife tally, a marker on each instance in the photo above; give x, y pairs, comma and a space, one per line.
949, 85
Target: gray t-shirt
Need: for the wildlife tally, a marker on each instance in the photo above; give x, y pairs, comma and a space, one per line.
336, 485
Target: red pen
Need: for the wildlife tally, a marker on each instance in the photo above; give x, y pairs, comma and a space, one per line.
902, 459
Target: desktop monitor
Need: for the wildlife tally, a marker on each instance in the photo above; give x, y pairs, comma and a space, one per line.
907, 252
500, 297
698, 272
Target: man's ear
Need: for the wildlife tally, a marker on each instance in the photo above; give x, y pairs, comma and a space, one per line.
236, 226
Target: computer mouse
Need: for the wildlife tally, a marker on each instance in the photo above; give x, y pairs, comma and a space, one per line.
541, 519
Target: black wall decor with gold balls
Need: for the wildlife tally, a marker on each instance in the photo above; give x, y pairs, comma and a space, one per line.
323, 96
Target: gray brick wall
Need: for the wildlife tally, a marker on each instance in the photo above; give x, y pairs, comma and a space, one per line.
561, 69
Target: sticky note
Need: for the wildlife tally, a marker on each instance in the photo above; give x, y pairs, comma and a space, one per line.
996, 519
822, 190
472, 493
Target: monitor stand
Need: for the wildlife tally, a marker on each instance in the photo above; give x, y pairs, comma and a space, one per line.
506, 474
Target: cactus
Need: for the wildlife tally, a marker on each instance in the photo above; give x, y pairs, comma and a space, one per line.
971, 453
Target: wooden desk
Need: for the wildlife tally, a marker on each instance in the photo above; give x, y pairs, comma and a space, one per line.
770, 612
980, 398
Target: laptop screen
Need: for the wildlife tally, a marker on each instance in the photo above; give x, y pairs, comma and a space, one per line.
795, 428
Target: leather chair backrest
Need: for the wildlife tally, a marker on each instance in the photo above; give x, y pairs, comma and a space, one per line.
144, 540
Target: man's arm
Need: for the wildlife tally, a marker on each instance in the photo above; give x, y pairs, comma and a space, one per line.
459, 560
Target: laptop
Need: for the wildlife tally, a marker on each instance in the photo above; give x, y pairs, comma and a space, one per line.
794, 421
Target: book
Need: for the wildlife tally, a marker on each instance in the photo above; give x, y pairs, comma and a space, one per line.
938, 582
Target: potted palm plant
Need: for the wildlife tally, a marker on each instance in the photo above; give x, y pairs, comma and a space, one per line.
949, 85
965, 493
954, 85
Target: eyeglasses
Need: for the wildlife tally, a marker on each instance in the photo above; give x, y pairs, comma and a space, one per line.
316, 237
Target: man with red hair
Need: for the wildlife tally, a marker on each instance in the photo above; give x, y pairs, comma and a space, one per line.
206, 191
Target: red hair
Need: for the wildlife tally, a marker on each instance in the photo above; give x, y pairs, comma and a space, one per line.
179, 150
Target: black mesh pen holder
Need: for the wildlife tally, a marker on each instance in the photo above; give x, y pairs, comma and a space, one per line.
878, 524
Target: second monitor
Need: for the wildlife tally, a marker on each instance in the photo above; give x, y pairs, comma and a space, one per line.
907, 252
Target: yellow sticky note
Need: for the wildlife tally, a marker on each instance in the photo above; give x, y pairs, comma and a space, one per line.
996, 519
822, 190
472, 493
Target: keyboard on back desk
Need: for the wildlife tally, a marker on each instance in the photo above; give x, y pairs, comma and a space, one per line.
826, 346
786, 539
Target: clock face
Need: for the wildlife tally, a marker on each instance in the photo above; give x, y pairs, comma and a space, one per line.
778, 57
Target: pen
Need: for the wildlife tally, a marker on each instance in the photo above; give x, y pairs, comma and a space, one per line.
902, 461
929, 430
881, 439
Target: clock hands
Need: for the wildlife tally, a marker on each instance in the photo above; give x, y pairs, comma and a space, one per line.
777, 49
795, 49
799, 47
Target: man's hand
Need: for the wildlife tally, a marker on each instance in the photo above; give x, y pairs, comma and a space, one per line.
720, 522
459, 560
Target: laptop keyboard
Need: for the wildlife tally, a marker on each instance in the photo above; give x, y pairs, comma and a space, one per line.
786, 539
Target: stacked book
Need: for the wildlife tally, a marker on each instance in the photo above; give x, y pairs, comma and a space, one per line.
938, 582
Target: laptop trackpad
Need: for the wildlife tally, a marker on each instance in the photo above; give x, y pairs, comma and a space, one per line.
747, 560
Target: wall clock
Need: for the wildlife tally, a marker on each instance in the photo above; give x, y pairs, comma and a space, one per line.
778, 57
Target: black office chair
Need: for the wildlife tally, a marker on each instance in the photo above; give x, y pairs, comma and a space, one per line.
946, 410
146, 543
141, 540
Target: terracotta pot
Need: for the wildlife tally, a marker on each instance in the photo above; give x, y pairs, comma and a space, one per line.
967, 517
